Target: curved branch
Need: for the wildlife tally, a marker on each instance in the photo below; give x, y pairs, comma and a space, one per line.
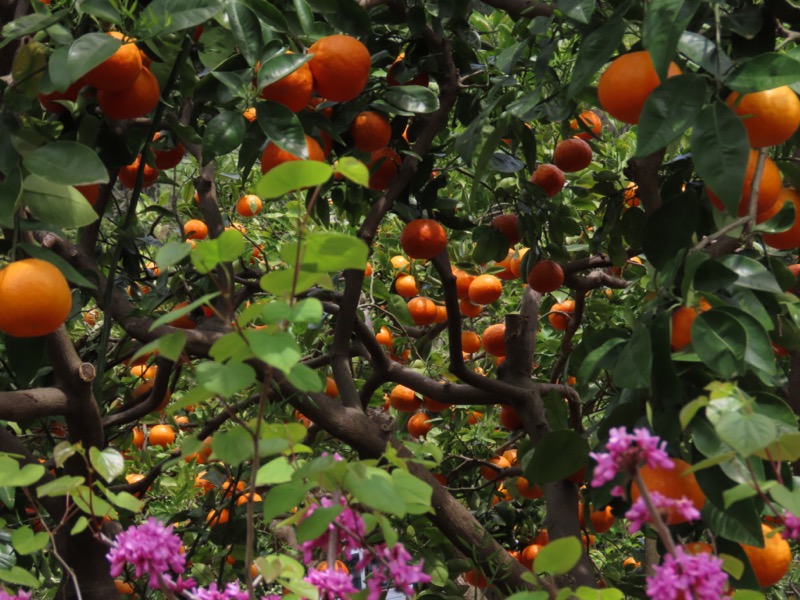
24, 405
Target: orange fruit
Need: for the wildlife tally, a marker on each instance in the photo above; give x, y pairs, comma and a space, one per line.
419, 425
698, 548
507, 274
631, 194
631, 563
682, 319
470, 342
422, 310
294, 90
572, 155
468, 309
602, 520
404, 399
441, 313
476, 579
337, 566
588, 121
371, 131
195, 229
550, 178
432, 405
406, 286
494, 339
217, 517
368, 270
789, 239
382, 174
557, 318
474, 417
138, 437
546, 276
161, 435
770, 117
184, 321
144, 371
169, 158
119, 71
250, 114
770, 563
463, 281
127, 174
508, 225
135, 101
491, 474
313, 105
245, 498
532, 493
529, 554
230, 489
509, 418
384, 337
501, 495
274, 155
331, 389
91, 317
122, 586
340, 67
399, 262
423, 238
50, 101
627, 82
485, 289
768, 190
671, 483
248, 205
35, 298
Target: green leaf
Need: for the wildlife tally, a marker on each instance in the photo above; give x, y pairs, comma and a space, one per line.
59, 487
664, 21
169, 346
305, 379
314, 526
413, 491
747, 595
283, 127
281, 283
739, 492
276, 471
27, 24
720, 151
374, 488
11, 475
19, 576
292, 176
57, 204
636, 352
169, 16
599, 358
558, 454
278, 350
209, 253
746, 432
558, 557
62, 452
719, 340
765, 72
752, 274
125, 501
108, 463
233, 446
353, 169
282, 499
758, 355
669, 229
225, 380
790, 500
103, 9
704, 52
70, 272
596, 48
412, 98
88, 51
223, 134
25, 541
171, 254
246, 31
308, 310
739, 522
278, 67
669, 111
712, 276
580, 10
328, 251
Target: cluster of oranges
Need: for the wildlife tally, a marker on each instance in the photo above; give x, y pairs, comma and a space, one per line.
570, 155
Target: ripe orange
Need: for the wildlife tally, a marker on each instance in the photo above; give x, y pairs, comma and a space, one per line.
127, 174
463, 281
770, 117
248, 205
476, 579
382, 174
230, 489
631, 194
768, 190
406, 286
627, 82
631, 563
122, 586
770, 563
368, 270
468, 309
195, 229
331, 389
509, 418
501, 495
144, 371
508, 225
419, 425
671, 483
789, 239
602, 520
698, 548
516, 262
337, 566
432, 405
161, 435
138, 437
169, 158
546, 276
135, 101
371, 131
50, 101
532, 493
404, 399
557, 318
550, 178
485, 289
250, 114
340, 67
572, 155
399, 262
441, 313
470, 342
217, 517
118, 71
184, 321
274, 156
682, 319
35, 298
293, 91
494, 339
507, 274
529, 554
423, 310
491, 474
245, 498
474, 417
423, 238
588, 121
384, 337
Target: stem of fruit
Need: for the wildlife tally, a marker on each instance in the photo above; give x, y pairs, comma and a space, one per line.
658, 523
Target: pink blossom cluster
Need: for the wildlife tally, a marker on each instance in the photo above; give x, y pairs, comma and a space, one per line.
332, 584
638, 514
685, 575
393, 567
625, 453
348, 529
20, 595
232, 591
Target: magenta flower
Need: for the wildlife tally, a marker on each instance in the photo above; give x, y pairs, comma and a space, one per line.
232, 591
639, 515
332, 584
791, 526
348, 528
688, 576
392, 567
627, 452
20, 595
153, 550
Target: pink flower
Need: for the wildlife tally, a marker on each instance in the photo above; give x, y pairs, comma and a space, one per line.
349, 533
791, 526
232, 591
20, 595
638, 513
627, 452
392, 567
332, 584
153, 550
686, 576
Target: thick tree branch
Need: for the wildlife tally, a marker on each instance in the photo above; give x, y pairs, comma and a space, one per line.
24, 405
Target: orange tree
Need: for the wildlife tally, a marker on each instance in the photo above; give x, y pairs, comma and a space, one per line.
304, 279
